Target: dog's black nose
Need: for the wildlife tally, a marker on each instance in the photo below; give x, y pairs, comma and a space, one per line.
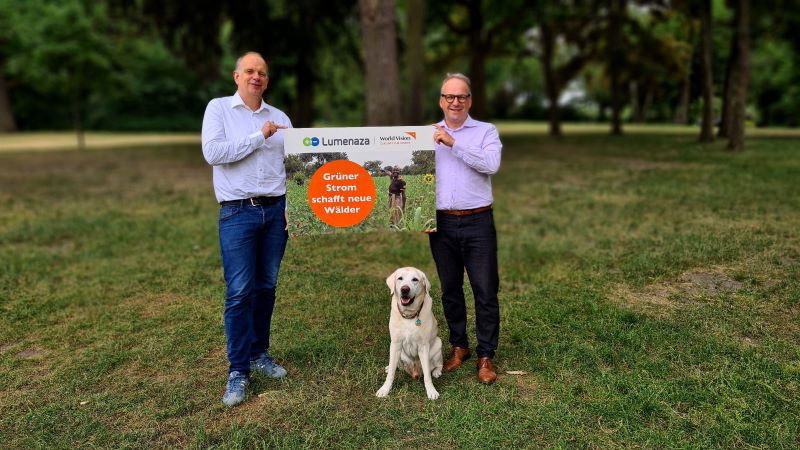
404, 290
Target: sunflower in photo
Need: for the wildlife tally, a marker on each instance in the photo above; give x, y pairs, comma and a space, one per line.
429, 178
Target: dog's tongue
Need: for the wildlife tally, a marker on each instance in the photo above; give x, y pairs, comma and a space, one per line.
405, 300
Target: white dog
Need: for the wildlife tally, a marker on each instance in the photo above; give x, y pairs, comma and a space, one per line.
415, 342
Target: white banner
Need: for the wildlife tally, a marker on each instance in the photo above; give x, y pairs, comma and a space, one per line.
360, 179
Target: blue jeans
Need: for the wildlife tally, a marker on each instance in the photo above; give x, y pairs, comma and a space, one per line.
252, 240
468, 242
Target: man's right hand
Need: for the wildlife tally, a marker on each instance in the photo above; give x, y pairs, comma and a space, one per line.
270, 128
440, 136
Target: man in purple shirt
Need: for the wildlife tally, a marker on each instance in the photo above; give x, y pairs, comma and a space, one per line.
467, 154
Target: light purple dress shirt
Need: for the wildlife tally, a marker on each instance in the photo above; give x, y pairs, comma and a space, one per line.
463, 173
245, 164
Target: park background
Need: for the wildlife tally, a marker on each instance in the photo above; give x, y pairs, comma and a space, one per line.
647, 210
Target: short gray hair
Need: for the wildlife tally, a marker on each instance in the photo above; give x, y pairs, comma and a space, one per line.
239, 60
458, 76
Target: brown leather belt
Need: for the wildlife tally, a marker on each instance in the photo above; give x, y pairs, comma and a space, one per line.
465, 212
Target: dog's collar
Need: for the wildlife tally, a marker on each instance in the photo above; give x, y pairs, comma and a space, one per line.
418, 322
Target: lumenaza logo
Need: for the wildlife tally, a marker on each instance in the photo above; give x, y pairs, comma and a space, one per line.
311, 141
315, 141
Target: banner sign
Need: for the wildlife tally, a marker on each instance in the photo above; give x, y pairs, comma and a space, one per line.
360, 179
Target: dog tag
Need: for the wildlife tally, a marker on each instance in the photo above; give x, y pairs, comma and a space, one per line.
418, 322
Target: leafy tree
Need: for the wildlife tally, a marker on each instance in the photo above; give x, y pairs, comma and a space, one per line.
480, 30
7, 43
776, 48
567, 37
374, 168
422, 162
65, 40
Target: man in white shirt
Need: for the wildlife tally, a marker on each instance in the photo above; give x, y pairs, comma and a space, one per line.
243, 141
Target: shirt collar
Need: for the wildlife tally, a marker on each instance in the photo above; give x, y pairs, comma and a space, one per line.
236, 100
469, 123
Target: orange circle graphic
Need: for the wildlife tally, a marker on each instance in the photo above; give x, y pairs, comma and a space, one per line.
341, 193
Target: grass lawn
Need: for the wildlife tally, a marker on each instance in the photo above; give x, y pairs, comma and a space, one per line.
650, 293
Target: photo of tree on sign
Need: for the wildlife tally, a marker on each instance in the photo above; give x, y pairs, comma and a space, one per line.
403, 198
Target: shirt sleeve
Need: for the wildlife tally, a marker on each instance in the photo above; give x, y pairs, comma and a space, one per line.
217, 148
482, 156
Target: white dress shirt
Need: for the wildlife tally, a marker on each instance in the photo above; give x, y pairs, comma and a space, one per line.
244, 163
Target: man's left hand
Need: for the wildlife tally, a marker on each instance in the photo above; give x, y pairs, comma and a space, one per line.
440, 136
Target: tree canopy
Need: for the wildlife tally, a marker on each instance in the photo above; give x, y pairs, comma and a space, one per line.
151, 65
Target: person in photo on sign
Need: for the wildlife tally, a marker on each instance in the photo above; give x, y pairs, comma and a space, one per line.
397, 195
243, 142
467, 154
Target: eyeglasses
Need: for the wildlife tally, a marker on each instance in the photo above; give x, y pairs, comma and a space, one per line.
461, 98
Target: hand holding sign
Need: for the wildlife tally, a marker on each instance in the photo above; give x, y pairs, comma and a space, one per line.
440, 136
270, 128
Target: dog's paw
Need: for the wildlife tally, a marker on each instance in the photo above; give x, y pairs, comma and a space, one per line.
383, 391
433, 394
436, 372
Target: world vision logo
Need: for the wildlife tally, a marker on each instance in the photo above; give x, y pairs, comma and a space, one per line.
399, 139
311, 141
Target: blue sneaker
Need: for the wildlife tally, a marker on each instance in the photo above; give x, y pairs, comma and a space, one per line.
264, 364
234, 391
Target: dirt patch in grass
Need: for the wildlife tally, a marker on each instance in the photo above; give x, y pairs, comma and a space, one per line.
31, 353
8, 347
708, 283
153, 306
748, 297
527, 387
689, 288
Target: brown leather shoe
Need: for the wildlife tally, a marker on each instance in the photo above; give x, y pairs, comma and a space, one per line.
486, 373
457, 356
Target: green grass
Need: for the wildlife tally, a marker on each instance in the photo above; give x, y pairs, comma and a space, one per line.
650, 289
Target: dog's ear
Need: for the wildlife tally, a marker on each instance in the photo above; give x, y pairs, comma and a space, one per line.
390, 281
425, 282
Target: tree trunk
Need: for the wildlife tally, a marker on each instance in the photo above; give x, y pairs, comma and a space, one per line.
637, 103
551, 82
415, 60
707, 124
617, 8
682, 111
7, 123
647, 103
382, 85
616, 114
728, 88
303, 108
479, 49
742, 32
77, 121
